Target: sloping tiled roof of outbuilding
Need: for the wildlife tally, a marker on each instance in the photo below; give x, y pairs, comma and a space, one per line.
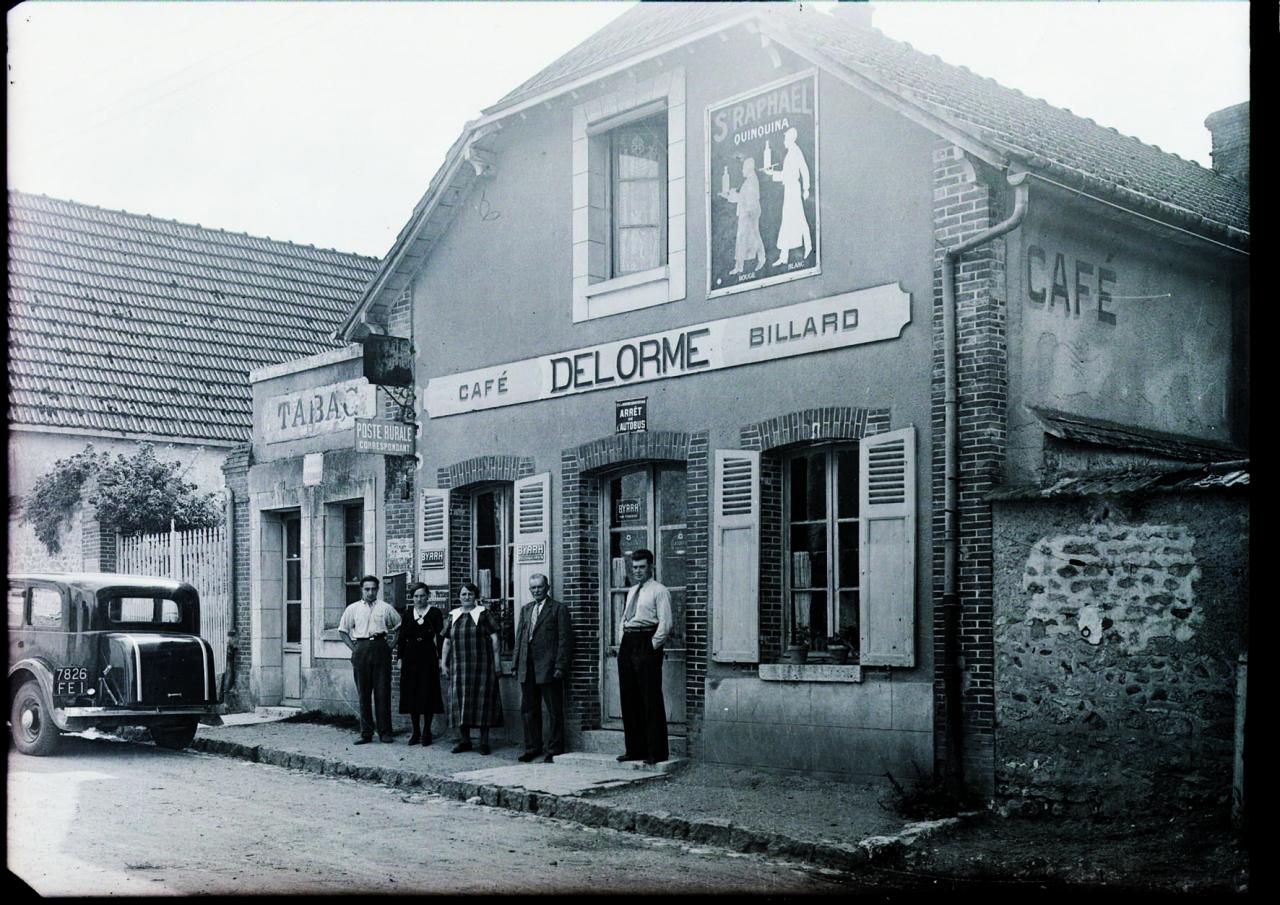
1047, 138
120, 322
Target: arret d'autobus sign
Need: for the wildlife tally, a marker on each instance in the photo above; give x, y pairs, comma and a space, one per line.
847, 319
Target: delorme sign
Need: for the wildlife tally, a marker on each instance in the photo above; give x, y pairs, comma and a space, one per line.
847, 319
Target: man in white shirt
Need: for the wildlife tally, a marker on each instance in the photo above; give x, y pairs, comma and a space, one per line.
369, 628
646, 623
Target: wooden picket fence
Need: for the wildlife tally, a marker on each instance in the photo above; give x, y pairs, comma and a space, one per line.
199, 556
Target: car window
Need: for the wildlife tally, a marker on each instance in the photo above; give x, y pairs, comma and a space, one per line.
169, 611
17, 606
46, 608
154, 610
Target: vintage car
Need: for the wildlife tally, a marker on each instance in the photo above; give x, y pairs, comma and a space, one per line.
102, 650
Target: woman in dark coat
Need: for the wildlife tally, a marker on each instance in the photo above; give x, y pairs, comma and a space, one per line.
469, 660
420, 664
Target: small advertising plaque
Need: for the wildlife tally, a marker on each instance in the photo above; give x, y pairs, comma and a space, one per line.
388, 361
632, 415
628, 510
531, 553
399, 554
390, 438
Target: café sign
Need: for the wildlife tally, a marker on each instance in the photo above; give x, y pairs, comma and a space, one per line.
318, 410
834, 322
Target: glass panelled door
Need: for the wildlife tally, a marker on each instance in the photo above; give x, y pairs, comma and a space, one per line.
291, 651
644, 507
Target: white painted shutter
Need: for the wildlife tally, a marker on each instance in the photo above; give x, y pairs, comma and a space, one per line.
735, 558
532, 535
433, 551
887, 548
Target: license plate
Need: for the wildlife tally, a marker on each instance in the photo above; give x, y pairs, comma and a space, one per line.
70, 681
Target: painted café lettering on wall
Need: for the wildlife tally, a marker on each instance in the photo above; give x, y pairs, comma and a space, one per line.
847, 319
317, 410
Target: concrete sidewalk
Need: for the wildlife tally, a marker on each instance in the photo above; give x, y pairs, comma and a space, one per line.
824, 822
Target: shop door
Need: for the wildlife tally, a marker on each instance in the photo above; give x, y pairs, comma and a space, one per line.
291, 650
644, 507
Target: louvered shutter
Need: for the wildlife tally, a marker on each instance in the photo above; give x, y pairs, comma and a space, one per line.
887, 548
532, 535
433, 551
735, 569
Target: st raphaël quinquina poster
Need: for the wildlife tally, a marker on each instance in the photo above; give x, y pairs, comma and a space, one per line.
762, 186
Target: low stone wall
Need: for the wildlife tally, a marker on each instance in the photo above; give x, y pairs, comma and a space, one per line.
1117, 628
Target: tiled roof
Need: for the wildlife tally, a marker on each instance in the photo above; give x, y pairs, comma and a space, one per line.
1214, 476
1048, 139
1098, 432
126, 323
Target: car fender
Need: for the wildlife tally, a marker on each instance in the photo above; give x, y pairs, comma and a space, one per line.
37, 667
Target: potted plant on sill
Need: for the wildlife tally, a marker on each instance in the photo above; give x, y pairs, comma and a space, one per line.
797, 645
837, 649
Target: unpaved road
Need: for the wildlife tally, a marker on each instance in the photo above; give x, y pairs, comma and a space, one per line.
106, 817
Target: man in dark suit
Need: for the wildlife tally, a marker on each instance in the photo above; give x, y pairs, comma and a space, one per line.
543, 642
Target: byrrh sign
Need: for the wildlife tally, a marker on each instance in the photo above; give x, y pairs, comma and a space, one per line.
848, 319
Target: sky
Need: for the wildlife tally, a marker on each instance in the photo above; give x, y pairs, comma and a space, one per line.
322, 123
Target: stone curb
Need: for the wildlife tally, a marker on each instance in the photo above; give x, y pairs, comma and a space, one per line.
710, 831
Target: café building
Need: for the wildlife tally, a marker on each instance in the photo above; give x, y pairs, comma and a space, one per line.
699, 287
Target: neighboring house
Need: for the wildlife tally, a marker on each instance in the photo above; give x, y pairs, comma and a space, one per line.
126, 328
703, 309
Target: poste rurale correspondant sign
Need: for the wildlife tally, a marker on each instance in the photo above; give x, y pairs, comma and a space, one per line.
318, 410
847, 319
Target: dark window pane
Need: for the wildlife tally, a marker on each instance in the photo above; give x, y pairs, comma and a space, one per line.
809, 608
486, 519
487, 559
676, 639
671, 497
293, 538
808, 488
848, 536
671, 556
293, 580
630, 499
847, 619
847, 482
353, 524
355, 563
353, 593
293, 623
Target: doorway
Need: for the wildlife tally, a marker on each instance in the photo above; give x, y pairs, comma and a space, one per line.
291, 644
644, 507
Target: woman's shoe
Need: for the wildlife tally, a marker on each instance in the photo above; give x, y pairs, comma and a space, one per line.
426, 740
414, 739
463, 745
484, 747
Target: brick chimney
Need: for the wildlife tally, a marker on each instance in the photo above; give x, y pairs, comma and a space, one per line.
1230, 130
854, 12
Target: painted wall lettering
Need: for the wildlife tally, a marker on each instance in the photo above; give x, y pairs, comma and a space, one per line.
319, 410
1079, 285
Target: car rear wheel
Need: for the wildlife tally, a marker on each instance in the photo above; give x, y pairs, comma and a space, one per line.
176, 737
32, 725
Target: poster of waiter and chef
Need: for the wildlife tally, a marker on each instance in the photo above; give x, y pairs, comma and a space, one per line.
762, 181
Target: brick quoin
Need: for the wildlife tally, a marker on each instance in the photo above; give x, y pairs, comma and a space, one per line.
235, 473
964, 205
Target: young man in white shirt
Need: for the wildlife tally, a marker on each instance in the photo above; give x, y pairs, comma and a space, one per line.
646, 623
369, 628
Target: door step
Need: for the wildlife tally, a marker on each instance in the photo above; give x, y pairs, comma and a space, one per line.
610, 761
610, 741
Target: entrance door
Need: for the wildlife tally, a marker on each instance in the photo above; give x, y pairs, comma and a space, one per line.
291, 650
644, 507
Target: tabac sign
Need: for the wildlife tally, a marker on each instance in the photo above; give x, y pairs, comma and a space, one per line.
847, 319
317, 410
762, 186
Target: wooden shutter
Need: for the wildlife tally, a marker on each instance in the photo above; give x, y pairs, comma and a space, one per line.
735, 569
887, 548
433, 551
531, 535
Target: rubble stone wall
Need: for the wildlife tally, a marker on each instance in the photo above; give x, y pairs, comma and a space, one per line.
1118, 627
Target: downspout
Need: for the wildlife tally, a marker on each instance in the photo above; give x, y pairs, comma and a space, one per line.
951, 679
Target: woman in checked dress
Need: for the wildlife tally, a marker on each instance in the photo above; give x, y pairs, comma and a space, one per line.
469, 660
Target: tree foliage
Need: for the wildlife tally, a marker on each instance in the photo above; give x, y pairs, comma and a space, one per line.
128, 493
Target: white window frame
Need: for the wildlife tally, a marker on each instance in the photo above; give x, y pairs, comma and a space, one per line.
504, 492
595, 294
832, 582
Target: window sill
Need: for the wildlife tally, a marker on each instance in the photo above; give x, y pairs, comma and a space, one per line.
810, 672
331, 634
629, 293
